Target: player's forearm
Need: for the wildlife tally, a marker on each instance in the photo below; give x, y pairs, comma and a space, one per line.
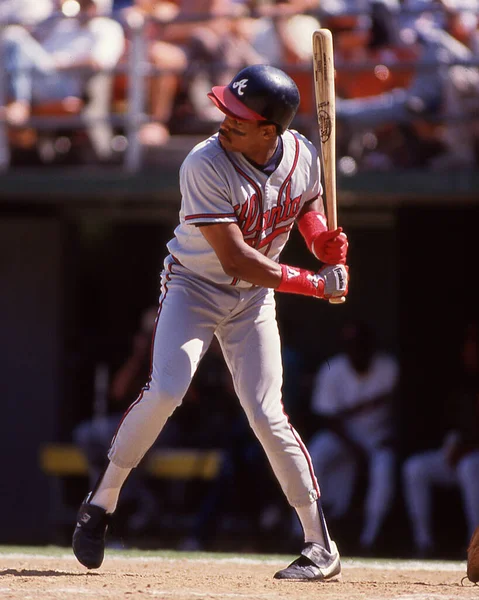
252, 266
238, 259
241, 261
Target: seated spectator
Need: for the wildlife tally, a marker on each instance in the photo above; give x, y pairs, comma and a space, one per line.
282, 36
430, 94
191, 46
369, 64
374, 41
61, 63
25, 12
352, 400
214, 36
456, 462
167, 58
461, 20
283, 31
461, 97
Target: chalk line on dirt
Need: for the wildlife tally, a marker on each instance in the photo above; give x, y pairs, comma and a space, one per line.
383, 564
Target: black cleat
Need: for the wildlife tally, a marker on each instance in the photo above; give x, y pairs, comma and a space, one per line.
314, 564
89, 535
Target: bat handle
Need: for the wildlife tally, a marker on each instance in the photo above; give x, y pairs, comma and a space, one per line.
338, 300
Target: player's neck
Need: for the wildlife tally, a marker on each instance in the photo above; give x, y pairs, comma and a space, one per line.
260, 155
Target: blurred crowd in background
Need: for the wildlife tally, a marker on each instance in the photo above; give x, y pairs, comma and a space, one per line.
135, 73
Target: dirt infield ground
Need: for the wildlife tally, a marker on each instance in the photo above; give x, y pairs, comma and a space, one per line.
44, 576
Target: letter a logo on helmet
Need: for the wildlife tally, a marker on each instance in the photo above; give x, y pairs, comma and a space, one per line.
239, 85
259, 93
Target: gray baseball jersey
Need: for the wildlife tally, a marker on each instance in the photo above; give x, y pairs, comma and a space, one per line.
222, 187
198, 300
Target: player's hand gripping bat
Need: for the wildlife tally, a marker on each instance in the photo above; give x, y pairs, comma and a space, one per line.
323, 68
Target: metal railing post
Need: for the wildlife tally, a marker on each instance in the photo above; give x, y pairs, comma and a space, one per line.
4, 143
136, 93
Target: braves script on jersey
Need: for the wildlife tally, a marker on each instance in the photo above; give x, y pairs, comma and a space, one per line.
221, 187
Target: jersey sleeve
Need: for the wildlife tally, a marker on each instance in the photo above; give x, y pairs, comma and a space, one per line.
205, 193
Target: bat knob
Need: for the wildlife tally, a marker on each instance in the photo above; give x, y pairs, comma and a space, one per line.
338, 300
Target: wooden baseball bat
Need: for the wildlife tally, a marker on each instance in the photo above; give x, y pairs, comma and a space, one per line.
323, 68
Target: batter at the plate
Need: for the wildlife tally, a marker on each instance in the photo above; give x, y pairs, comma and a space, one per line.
242, 191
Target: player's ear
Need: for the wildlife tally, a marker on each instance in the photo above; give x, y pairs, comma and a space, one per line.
269, 130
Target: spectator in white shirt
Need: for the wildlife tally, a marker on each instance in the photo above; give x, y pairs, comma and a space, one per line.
352, 398
25, 12
59, 60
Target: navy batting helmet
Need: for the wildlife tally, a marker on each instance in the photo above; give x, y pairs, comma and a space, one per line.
259, 93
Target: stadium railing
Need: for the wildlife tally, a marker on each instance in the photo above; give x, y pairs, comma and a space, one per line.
137, 69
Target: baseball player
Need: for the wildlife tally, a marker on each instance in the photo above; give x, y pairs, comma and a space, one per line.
242, 191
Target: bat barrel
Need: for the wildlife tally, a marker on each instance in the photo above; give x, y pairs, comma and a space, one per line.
323, 63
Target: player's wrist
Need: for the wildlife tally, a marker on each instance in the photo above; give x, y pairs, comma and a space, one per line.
328, 246
295, 280
311, 225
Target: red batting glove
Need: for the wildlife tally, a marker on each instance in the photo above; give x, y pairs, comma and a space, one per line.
331, 247
331, 281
